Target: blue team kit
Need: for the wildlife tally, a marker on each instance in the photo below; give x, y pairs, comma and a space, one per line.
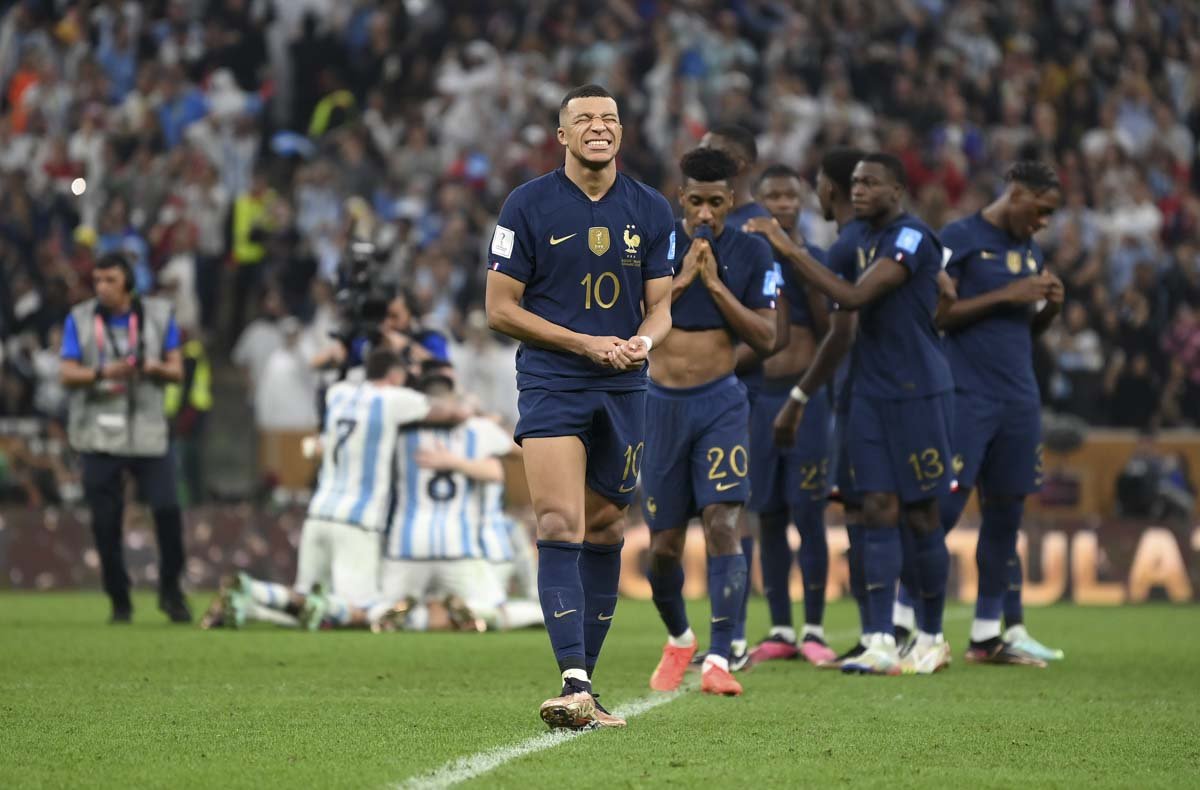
997, 426
584, 264
697, 437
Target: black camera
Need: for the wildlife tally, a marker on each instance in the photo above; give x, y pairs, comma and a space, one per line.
362, 303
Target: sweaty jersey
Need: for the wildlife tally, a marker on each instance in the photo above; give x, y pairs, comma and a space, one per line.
745, 266
898, 353
362, 422
993, 356
584, 263
441, 515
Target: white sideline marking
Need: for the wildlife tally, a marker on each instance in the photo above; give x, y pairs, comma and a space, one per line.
467, 768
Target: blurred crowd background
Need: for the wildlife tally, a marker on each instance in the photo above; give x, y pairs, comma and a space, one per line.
235, 148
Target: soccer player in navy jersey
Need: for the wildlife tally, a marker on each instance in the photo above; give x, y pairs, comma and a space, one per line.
789, 483
833, 193
697, 416
899, 422
1006, 298
579, 273
739, 143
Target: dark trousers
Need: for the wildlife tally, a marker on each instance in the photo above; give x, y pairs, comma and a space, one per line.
104, 489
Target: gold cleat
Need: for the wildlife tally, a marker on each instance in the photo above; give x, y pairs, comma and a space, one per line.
461, 616
394, 619
571, 712
602, 718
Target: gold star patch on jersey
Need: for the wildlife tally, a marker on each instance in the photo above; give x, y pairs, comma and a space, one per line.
598, 240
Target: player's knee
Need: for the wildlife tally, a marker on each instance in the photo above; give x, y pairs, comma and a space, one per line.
880, 510
721, 532
773, 522
606, 524
810, 520
557, 524
666, 547
922, 517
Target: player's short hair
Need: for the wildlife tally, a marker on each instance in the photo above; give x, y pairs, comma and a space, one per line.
708, 165
380, 362
890, 163
838, 166
741, 137
1035, 174
584, 92
777, 171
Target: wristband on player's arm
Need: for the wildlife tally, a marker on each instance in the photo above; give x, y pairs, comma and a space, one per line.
798, 395
649, 343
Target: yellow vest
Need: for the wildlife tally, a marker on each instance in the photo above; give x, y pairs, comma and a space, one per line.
248, 211
200, 395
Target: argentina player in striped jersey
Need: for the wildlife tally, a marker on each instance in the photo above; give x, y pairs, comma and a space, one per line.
340, 541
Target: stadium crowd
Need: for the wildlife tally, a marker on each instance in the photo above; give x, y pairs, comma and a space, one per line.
235, 148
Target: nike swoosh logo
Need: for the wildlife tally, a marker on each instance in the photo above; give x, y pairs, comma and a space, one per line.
929, 486
554, 241
625, 490
987, 256
726, 486
560, 615
719, 619
605, 619
872, 587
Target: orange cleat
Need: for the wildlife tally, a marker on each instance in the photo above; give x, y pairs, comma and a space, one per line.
668, 675
714, 680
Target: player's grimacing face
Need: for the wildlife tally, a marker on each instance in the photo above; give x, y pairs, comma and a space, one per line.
780, 195
590, 128
705, 203
1030, 211
873, 190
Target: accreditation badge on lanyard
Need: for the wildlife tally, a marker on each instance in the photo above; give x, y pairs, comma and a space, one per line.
103, 332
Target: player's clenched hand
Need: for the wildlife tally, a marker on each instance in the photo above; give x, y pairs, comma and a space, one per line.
600, 349
787, 422
691, 259
630, 355
769, 227
437, 458
1028, 290
708, 268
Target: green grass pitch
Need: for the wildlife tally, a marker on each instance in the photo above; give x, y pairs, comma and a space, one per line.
84, 704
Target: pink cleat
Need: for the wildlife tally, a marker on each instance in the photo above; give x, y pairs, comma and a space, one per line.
774, 648
815, 651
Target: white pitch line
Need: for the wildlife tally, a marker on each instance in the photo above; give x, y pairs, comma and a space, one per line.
466, 768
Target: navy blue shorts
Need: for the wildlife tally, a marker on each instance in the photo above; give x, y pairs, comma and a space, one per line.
843, 480
696, 452
997, 444
155, 476
901, 447
789, 476
610, 425
753, 382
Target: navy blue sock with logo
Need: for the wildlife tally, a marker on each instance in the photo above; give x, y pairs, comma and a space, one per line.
813, 558
600, 573
666, 586
996, 549
739, 629
858, 581
561, 593
881, 563
933, 569
726, 585
775, 558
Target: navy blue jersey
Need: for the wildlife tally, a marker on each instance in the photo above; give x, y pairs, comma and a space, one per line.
583, 263
793, 287
746, 267
994, 355
738, 216
898, 354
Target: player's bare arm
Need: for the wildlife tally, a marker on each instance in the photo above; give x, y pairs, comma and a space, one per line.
658, 295
1025, 291
1055, 295
755, 327
439, 458
505, 314
838, 341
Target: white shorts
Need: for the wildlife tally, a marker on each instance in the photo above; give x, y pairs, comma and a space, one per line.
342, 558
472, 580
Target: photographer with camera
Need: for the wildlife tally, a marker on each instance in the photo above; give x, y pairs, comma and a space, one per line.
119, 352
373, 318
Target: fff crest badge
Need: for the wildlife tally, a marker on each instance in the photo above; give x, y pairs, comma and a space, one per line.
598, 240
1014, 262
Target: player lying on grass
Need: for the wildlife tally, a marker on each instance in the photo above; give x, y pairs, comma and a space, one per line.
697, 416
